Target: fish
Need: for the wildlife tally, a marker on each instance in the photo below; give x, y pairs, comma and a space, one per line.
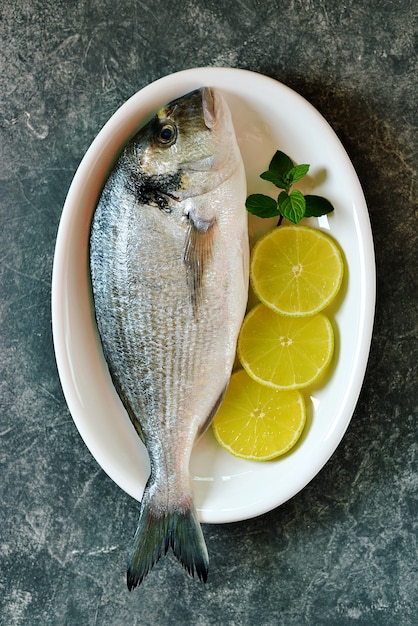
168, 256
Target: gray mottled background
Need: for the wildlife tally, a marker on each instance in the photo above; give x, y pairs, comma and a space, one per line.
344, 550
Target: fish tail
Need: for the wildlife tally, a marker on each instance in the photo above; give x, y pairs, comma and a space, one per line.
156, 532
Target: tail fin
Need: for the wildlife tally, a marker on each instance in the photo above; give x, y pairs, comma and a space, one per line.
156, 533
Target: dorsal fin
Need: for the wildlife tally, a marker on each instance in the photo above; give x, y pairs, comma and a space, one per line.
198, 251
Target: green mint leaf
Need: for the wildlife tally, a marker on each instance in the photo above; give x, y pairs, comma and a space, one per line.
296, 173
274, 178
261, 205
278, 169
292, 205
280, 163
316, 206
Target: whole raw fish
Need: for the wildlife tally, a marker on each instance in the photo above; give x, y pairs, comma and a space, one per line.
169, 270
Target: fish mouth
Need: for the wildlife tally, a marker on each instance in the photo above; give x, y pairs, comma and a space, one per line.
213, 116
210, 106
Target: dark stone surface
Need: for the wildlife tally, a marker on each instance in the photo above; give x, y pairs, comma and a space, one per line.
344, 550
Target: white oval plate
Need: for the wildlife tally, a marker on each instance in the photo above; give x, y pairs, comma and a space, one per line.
267, 116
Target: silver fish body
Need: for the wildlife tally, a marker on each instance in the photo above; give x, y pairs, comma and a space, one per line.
169, 271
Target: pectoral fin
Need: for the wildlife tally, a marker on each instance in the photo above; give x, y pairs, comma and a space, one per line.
198, 251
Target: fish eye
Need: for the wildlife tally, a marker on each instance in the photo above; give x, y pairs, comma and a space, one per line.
167, 134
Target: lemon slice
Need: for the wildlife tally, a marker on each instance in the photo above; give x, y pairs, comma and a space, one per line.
256, 422
296, 270
285, 352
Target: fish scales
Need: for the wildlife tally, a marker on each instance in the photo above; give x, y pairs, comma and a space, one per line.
169, 269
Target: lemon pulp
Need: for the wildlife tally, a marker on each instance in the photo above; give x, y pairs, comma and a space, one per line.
296, 270
256, 422
285, 352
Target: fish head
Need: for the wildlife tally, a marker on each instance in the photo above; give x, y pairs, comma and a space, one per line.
187, 149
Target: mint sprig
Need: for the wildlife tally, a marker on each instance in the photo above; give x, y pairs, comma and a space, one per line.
292, 205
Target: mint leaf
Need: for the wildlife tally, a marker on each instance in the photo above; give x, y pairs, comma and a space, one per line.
278, 169
280, 163
261, 205
292, 205
296, 173
274, 178
316, 206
